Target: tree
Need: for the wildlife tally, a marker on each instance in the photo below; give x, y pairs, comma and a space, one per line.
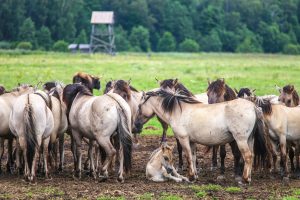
121, 39
60, 45
139, 38
212, 42
81, 38
27, 32
189, 45
249, 45
167, 42
44, 38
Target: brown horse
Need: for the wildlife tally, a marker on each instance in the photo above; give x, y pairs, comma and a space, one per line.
218, 91
90, 81
2, 89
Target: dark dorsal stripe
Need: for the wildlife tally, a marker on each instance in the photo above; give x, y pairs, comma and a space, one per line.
48, 102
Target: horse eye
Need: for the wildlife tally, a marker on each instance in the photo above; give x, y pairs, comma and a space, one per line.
289, 101
166, 158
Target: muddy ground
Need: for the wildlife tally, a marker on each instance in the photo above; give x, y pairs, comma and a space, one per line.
63, 186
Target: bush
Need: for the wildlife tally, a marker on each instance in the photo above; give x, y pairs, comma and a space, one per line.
291, 49
189, 45
167, 42
60, 45
24, 45
249, 45
5, 45
212, 42
139, 37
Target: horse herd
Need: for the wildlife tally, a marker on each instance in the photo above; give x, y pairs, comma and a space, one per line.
257, 128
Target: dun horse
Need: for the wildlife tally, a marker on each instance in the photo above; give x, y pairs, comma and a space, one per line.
7, 101
191, 122
98, 118
90, 81
31, 121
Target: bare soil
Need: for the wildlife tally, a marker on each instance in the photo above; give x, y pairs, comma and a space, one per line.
136, 186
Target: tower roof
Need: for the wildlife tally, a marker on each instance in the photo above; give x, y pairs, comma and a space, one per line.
102, 17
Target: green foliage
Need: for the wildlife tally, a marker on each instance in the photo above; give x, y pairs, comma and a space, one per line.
167, 43
166, 196
291, 49
249, 45
5, 45
146, 196
60, 46
139, 38
290, 198
189, 45
27, 31
211, 42
233, 189
121, 39
209, 187
81, 38
201, 194
24, 46
44, 38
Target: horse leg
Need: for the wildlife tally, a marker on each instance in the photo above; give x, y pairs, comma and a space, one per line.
110, 151
179, 148
91, 158
61, 140
214, 158
9, 163
1, 152
194, 156
165, 128
222, 156
77, 147
45, 145
247, 156
291, 156
185, 143
283, 155
23, 146
121, 168
237, 157
73, 149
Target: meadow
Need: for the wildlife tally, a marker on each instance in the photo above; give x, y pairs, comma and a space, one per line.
257, 71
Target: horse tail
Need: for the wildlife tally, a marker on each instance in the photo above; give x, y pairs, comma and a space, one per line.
30, 132
124, 131
262, 143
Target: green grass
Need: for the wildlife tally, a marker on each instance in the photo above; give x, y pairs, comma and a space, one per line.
201, 194
233, 189
206, 188
259, 71
146, 196
166, 196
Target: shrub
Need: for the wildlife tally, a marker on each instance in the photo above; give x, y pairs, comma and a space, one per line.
5, 45
167, 42
24, 45
189, 45
60, 45
291, 49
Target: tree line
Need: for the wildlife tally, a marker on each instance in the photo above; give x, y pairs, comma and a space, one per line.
270, 26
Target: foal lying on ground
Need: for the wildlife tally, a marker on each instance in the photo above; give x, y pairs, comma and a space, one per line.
160, 166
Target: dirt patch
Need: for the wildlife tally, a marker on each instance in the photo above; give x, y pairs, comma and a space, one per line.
136, 186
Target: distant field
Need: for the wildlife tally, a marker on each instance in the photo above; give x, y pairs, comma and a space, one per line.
259, 71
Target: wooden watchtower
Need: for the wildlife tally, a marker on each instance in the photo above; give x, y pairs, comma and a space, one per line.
102, 35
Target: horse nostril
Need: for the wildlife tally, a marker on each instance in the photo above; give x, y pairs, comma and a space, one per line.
169, 170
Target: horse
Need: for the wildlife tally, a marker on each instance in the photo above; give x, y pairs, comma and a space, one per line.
218, 91
31, 122
90, 81
98, 118
289, 96
160, 165
7, 101
194, 122
60, 126
174, 84
283, 125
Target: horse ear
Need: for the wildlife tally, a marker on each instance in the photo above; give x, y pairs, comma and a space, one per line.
292, 88
129, 81
252, 91
278, 88
175, 81
158, 81
236, 90
208, 81
245, 96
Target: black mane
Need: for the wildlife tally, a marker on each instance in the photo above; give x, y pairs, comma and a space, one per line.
171, 99
174, 84
243, 91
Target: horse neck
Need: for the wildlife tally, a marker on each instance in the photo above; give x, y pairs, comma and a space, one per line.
156, 106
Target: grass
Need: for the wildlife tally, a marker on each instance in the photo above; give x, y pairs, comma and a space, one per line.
166, 196
233, 189
259, 71
206, 188
146, 196
201, 194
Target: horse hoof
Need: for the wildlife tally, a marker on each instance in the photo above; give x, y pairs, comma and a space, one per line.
120, 179
285, 181
192, 178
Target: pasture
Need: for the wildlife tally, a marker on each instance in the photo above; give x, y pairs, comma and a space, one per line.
259, 71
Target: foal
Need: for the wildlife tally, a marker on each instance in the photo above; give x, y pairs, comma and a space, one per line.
160, 166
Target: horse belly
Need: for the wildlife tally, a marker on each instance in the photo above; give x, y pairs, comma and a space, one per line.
212, 137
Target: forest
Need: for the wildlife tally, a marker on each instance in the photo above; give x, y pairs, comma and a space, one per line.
269, 26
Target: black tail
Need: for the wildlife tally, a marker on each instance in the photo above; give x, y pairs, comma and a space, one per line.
29, 131
262, 144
